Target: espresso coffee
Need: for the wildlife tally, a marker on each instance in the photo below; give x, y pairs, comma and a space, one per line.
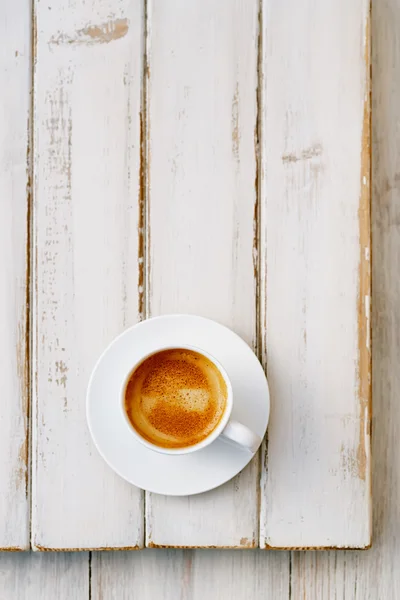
175, 398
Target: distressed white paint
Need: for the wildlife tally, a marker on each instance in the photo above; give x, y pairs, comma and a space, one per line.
315, 484
201, 117
15, 83
352, 575
87, 162
46, 576
190, 575
374, 574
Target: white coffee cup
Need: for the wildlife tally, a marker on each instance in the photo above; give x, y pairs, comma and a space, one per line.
228, 429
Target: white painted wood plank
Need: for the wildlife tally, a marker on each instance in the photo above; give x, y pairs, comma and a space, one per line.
315, 273
49, 576
373, 575
15, 84
87, 245
190, 575
202, 111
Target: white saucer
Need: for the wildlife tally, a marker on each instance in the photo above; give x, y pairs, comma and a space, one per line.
183, 474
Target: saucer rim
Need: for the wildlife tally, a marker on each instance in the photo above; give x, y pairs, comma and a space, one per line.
115, 341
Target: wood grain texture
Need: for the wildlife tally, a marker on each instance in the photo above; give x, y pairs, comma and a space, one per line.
373, 575
15, 85
201, 120
189, 575
46, 576
325, 575
315, 237
352, 575
87, 259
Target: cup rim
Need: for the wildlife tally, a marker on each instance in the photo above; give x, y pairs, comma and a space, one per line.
214, 433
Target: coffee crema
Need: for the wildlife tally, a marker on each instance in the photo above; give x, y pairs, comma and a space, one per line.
175, 398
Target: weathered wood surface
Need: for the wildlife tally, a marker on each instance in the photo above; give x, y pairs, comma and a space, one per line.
352, 575
371, 575
202, 205
87, 278
315, 273
15, 85
87, 273
190, 575
47, 576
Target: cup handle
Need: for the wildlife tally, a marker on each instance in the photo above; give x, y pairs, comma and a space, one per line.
242, 436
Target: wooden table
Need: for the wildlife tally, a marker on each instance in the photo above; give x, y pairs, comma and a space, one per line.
208, 158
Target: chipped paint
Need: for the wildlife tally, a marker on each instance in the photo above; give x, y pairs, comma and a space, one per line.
144, 187
235, 125
22, 349
364, 294
306, 154
211, 547
258, 345
34, 458
255, 251
348, 461
23, 339
61, 366
61, 370
258, 258
256, 206
104, 33
141, 220
246, 543
40, 548
316, 548
21, 472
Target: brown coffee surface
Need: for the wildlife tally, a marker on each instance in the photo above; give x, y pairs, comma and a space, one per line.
175, 398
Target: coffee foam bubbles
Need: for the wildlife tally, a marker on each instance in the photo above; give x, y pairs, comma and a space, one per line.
175, 398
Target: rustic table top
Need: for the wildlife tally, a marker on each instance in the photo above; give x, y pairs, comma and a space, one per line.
210, 158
